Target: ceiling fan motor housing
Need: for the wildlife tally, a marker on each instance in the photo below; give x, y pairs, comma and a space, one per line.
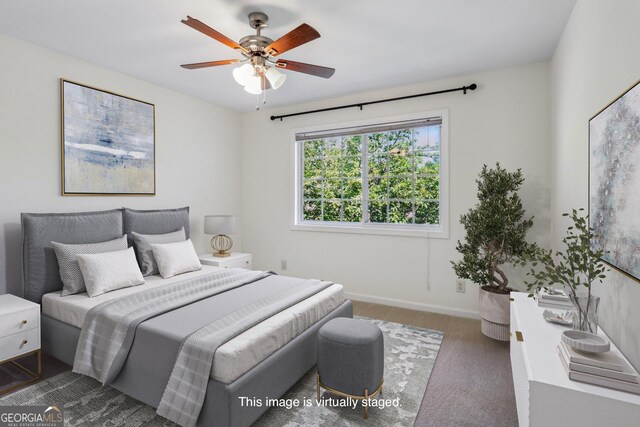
255, 43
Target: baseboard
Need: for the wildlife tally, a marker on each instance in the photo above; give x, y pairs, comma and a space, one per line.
413, 305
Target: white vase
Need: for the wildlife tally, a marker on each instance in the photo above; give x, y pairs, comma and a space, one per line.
495, 315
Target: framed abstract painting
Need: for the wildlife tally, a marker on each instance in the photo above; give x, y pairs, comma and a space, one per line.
614, 181
108, 143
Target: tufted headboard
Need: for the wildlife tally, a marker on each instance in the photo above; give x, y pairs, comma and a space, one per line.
40, 272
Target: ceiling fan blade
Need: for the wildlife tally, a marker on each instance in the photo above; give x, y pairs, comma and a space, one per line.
197, 65
206, 30
294, 38
301, 67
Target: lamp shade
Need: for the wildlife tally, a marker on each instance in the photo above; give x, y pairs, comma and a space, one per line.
243, 74
254, 85
275, 77
219, 224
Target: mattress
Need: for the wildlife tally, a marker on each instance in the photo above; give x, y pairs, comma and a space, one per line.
238, 355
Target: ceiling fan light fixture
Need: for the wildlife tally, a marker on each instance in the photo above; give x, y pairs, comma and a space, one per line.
254, 85
243, 74
275, 77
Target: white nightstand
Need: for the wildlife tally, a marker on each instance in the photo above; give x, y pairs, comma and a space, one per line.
19, 335
235, 260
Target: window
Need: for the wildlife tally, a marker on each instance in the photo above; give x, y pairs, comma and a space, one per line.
386, 178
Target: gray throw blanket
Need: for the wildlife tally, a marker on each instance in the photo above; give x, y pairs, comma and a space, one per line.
183, 398
109, 328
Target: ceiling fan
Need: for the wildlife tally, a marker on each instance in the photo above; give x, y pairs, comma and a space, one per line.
260, 69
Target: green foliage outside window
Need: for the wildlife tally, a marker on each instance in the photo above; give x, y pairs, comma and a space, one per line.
401, 170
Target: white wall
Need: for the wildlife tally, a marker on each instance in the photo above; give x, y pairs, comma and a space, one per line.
506, 119
197, 148
596, 60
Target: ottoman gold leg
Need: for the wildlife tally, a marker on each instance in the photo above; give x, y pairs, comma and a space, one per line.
366, 406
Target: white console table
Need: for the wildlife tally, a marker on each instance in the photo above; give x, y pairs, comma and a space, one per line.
545, 396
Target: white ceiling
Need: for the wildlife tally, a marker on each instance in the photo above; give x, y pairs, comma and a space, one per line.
370, 43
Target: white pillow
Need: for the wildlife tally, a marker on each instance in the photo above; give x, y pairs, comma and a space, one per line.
109, 271
142, 243
70, 271
175, 258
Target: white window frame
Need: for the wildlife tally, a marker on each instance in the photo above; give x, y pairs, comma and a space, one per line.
440, 230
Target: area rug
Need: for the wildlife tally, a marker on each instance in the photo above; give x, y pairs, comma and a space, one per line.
410, 354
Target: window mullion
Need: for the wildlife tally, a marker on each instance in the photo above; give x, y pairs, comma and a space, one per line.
387, 158
341, 177
413, 176
324, 181
300, 196
365, 178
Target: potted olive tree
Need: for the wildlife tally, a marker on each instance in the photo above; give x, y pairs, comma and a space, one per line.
496, 230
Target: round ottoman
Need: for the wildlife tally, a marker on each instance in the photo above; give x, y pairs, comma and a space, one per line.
350, 358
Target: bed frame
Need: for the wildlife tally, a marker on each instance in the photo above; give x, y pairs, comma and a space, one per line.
222, 406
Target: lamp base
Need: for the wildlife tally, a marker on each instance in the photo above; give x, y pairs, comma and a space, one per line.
221, 245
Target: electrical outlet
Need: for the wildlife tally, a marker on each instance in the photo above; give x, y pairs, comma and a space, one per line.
460, 286
283, 264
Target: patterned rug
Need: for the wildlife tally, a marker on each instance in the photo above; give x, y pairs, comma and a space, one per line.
410, 354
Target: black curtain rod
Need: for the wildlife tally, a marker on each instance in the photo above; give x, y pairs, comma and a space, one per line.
464, 89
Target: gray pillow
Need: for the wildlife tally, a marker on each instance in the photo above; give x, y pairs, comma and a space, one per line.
70, 273
143, 242
158, 221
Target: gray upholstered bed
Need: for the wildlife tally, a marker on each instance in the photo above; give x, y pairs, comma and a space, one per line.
145, 373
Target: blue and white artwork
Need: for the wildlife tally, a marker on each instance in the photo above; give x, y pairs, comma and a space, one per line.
614, 181
108, 143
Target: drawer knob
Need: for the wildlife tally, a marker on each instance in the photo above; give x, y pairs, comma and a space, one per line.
24, 322
24, 342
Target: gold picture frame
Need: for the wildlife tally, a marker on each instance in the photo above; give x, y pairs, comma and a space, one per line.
614, 152
107, 143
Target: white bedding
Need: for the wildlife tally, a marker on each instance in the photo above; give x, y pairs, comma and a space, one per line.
238, 355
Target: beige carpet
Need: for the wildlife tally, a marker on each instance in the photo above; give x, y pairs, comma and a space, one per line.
471, 383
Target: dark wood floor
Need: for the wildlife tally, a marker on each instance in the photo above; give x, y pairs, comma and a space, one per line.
470, 385
10, 375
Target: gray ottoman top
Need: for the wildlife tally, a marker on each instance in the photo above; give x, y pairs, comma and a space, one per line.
350, 331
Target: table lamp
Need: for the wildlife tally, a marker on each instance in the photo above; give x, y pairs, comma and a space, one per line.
220, 226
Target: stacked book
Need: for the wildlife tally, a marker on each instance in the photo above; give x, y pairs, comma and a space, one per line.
608, 369
554, 298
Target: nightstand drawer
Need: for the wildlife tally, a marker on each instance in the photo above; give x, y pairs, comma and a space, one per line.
19, 322
237, 263
235, 260
20, 343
